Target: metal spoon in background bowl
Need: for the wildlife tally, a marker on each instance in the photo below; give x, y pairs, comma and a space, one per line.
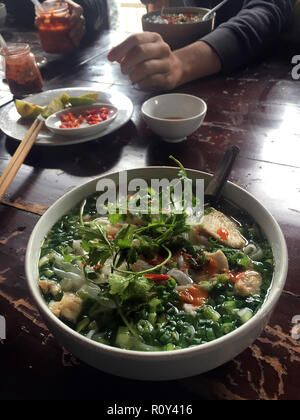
215, 188
164, 4
208, 15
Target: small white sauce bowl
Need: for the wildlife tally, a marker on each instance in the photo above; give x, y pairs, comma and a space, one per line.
53, 122
174, 116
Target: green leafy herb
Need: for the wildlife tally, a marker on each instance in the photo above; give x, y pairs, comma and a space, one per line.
131, 287
124, 238
182, 172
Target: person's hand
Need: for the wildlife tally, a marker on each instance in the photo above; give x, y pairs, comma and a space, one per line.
77, 22
148, 61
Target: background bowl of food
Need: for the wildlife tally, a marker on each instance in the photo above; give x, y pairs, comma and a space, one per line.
179, 26
188, 358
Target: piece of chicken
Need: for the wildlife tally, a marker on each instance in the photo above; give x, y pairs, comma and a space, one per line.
249, 284
222, 228
49, 286
218, 264
69, 307
196, 238
219, 259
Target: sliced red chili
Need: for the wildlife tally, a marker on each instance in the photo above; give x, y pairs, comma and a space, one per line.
157, 277
193, 294
211, 268
223, 233
91, 116
235, 277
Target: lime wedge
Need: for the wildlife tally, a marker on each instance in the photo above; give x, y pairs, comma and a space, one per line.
65, 98
28, 110
53, 106
79, 101
92, 95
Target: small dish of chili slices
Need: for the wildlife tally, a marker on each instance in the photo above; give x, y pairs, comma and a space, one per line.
82, 120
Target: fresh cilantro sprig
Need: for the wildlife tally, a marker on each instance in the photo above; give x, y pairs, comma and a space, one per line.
182, 172
151, 239
149, 270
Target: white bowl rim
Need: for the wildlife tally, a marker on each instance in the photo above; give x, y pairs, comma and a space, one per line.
73, 109
159, 355
169, 119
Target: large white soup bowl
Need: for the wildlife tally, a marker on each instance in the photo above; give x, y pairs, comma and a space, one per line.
159, 365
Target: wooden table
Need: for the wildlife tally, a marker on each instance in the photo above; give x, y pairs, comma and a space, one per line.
257, 109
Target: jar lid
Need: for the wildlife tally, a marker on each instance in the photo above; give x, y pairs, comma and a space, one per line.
15, 49
54, 7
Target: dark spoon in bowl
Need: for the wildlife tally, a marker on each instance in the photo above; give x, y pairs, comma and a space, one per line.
213, 191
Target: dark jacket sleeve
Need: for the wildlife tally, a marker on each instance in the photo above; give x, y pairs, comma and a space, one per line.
245, 36
96, 16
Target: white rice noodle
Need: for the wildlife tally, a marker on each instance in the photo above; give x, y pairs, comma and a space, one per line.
90, 334
71, 282
68, 267
180, 261
254, 252
180, 277
77, 248
189, 309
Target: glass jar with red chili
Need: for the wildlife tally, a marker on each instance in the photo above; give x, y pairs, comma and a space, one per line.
22, 73
53, 24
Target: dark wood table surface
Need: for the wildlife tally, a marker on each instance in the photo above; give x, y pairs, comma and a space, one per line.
257, 109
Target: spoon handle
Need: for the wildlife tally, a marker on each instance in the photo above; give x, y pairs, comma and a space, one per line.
212, 11
216, 185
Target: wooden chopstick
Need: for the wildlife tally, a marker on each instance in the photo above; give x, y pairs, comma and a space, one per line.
19, 156
19, 149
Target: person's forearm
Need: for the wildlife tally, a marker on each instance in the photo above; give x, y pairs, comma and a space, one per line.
197, 60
